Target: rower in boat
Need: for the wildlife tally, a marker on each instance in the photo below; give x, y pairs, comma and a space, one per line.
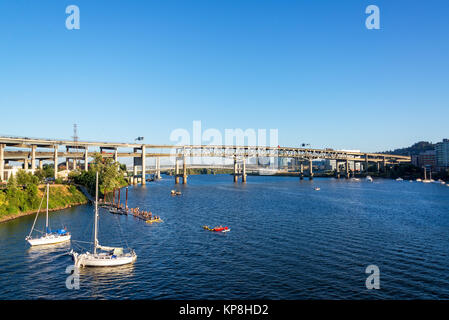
217, 229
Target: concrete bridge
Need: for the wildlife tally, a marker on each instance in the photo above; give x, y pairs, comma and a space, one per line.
32, 152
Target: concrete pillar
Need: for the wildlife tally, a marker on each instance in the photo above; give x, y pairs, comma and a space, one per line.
86, 159
184, 170
310, 169
55, 161
353, 168
301, 170
41, 164
236, 177
378, 166
347, 169
33, 158
176, 171
67, 164
25, 164
144, 180
244, 170
158, 168
116, 155
384, 164
337, 169
2, 162
366, 163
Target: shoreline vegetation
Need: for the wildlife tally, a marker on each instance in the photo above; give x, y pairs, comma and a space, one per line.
27, 203
23, 193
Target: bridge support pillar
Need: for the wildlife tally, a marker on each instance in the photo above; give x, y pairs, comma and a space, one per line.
301, 171
366, 164
384, 165
115, 155
25, 164
158, 168
55, 161
74, 163
144, 173
67, 164
134, 174
86, 160
244, 171
310, 169
2, 162
236, 176
176, 171
378, 166
337, 169
184, 170
41, 164
347, 169
33, 158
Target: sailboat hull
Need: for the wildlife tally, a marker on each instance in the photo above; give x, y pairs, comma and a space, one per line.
92, 260
49, 239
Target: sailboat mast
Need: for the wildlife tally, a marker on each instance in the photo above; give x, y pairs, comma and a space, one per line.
96, 216
46, 220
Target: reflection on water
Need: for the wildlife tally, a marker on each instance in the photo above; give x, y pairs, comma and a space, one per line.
287, 241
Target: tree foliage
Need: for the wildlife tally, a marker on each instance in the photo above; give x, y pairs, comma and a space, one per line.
111, 175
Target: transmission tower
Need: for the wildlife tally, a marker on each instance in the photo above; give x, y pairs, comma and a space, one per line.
75, 139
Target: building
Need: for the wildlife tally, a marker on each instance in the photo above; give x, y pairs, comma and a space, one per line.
425, 159
442, 154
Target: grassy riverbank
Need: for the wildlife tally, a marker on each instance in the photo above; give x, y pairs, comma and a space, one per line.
16, 202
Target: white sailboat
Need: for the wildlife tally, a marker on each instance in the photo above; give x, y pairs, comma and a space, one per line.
369, 178
48, 237
102, 256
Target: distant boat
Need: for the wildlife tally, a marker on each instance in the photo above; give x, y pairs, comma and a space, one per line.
48, 237
418, 180
399, 179
355, 179
317, 189
102, 256
368, 178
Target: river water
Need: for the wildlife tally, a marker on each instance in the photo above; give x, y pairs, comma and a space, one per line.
287, 241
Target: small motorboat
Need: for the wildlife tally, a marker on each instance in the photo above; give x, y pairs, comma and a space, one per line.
175, 193
418, 180
317, 189
399, 179
217, 229
369, 178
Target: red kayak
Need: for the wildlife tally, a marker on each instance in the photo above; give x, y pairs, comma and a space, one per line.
217, 229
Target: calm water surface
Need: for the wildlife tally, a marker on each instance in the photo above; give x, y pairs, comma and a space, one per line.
287, 241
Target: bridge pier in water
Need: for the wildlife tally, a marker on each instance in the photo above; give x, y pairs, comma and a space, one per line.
158, 169
310, 169
144, 180
244, 171
301, 170
347, 176
184, 170
337, 169
176, 171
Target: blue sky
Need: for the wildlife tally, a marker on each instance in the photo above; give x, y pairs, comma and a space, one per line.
307, 68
